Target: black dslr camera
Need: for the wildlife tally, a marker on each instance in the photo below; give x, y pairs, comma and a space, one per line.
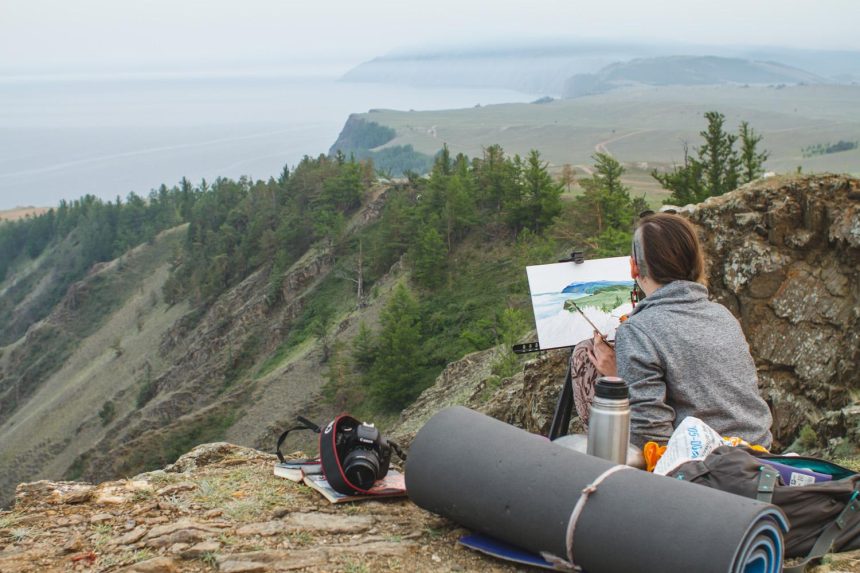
365, 453
353, 454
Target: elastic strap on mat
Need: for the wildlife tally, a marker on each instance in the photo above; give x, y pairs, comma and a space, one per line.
305, 425
829, 535
580, 505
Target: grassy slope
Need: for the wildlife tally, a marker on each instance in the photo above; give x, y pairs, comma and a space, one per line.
645, 128
61, 419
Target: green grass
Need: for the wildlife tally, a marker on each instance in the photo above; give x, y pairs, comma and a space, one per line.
605, 299
281, 354
244, 494
322, 307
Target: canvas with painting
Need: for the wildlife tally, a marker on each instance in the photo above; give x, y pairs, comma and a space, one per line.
600, 288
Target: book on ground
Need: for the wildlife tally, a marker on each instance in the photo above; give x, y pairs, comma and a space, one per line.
309, 472
296, 470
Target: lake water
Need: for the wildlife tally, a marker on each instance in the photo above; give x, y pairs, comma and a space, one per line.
65, 138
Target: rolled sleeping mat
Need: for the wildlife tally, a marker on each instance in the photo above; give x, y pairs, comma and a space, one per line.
579, 510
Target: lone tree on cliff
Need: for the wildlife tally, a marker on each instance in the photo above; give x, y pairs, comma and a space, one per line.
719, 167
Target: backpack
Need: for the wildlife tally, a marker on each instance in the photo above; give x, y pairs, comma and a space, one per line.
823, 516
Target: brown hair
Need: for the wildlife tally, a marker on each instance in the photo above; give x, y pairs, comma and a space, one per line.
668, 246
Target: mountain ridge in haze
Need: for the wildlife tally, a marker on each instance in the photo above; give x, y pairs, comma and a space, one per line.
687, 71
543, 68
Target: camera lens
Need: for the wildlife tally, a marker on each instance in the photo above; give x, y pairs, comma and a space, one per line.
361, 468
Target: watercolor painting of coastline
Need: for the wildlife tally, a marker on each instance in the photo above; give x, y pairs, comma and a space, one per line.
600, 287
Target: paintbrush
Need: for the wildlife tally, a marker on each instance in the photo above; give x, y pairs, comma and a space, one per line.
588, 320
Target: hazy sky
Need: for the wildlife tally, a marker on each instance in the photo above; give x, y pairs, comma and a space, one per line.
68, 36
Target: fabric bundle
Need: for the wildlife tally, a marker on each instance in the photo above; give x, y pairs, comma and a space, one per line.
579, 511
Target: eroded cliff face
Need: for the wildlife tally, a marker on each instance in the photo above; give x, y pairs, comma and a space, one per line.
784, 256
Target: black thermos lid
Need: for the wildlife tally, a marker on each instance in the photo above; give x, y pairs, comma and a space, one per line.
611, 387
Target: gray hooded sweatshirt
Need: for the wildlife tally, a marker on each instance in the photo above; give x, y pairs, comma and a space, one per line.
684, 355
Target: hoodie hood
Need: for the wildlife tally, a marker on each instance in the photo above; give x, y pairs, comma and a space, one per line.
673, 293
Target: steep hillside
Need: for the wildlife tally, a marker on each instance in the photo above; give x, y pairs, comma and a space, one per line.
77, 373
133, 382
783, 255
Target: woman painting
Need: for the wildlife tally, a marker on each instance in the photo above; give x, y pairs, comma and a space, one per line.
682, 354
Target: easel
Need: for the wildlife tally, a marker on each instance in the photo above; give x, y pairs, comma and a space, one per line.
564, 406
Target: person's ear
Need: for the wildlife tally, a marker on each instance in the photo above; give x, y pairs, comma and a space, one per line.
634, 269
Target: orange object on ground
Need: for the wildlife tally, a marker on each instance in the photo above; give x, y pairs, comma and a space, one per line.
652, 452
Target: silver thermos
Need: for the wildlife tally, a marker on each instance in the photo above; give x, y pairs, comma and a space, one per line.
609, 423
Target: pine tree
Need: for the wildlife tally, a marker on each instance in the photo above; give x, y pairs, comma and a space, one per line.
363, 348
567, 177
686, 182
752, 161
428, 257
537, 199
718, 157
718, 168
494, 177
613, 194
606, 196
459, 209
393, 379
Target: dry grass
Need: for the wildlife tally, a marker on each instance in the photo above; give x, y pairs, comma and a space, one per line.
21, 212
8, 519
244, 494
643, 126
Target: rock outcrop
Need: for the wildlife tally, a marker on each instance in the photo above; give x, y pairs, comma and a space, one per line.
784, 256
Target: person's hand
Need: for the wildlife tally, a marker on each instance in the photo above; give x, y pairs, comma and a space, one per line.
603, 356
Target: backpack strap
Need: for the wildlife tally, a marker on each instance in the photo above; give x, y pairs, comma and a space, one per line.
305, 425
830, 534
767, 479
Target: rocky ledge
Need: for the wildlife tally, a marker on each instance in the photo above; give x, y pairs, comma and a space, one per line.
219, 508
